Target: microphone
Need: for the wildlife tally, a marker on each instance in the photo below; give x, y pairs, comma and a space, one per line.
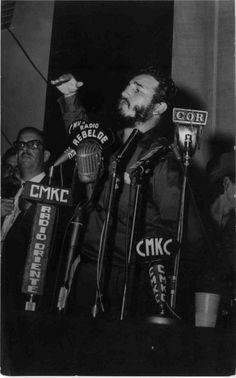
189, 124
89, 158
176, 152
68, 154
87, 140
157, 150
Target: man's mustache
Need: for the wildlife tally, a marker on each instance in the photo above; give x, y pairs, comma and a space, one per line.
26, 154
123, 99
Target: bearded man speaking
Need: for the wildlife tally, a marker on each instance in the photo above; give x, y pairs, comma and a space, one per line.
143, 106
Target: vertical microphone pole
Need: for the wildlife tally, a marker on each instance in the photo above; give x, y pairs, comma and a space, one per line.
131, 240
104, 242
51, 171
139, 169
189, 126
107, 223
77, 223
188, 142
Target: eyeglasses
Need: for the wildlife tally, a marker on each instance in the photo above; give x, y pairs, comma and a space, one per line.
31, 144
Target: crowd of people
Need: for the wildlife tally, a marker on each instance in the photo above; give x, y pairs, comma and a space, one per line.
101, 284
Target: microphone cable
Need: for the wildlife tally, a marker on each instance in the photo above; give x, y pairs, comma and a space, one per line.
172, 311
6, 137
27, 56
33, 65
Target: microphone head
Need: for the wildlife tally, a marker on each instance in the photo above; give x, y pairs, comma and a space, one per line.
89, 156
69, 153
189, 124
89, 139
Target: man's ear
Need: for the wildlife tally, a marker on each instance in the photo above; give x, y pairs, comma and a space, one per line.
226, 182
47, 155
159, 108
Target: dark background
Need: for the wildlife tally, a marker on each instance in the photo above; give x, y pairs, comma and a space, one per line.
103, 43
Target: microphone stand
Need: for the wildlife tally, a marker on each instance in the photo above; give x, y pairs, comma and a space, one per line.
141, 168
115, 179
138, 177
104, 239
186, 163
77, 222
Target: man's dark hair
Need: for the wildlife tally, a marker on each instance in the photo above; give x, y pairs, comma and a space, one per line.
217, 188
30, 130
166, 90
7, 154
217, 169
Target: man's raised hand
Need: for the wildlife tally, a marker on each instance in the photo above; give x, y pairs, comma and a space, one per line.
67, 84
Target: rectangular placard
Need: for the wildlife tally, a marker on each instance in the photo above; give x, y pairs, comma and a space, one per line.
38, 250
47, 194
190, 117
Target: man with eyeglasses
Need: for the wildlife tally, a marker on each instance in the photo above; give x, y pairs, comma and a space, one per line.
31, 157
17, 225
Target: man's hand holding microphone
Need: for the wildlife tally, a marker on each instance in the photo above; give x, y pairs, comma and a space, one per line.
67, 84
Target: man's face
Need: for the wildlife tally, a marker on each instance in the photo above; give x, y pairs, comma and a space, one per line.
9, 168
31, 159
230, 193
136, 103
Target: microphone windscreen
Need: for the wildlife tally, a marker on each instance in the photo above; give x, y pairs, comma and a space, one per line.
89, 156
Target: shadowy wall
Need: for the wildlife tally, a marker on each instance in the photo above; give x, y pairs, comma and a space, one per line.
203, 66
23, 90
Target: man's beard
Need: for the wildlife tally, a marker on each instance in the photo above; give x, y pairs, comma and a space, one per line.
142, 115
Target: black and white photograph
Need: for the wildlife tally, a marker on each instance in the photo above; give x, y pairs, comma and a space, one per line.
118, 191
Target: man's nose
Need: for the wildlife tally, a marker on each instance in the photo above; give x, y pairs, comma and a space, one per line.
127, 92
9, 172
124, 94
25, 147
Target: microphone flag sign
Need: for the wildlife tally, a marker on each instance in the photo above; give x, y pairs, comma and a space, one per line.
190, 116
47, 198
81, 131
47, 194
37, 258
158, 253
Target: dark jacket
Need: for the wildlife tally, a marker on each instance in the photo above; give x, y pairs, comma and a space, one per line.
158, 212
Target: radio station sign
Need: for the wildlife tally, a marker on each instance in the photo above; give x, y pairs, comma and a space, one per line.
47, 194
158, 280
156, 248
38, 251
190, 117
81, 130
